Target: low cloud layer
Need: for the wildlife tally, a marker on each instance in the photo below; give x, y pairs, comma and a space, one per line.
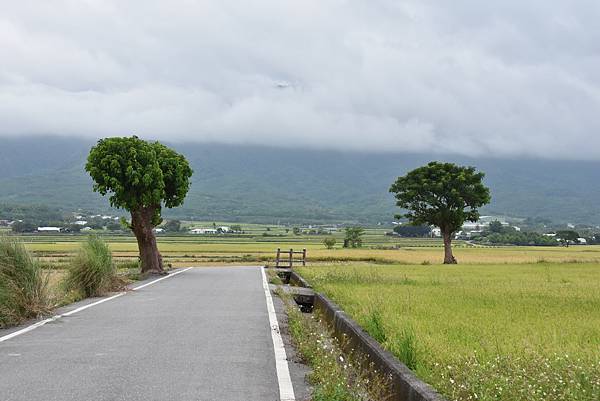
502, 78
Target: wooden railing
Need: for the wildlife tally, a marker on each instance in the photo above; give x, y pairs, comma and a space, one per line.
286, 259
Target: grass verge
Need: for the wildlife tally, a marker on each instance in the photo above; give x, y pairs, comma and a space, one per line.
335, 376
23, 285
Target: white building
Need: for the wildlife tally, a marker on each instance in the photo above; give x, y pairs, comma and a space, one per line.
204, 231
48, 229
81, 222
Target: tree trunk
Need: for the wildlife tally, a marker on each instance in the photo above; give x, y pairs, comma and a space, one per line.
448, 256
141, 224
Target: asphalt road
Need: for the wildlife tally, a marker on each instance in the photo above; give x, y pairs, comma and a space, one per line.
202, 335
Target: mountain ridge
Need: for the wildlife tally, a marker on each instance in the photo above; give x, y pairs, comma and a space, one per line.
267, 184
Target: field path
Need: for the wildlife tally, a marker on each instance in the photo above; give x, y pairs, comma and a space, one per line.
203, 335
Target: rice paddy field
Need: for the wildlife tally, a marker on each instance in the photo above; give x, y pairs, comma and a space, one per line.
507, 323
481, 331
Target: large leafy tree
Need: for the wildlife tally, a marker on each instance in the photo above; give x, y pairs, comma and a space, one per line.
444, 195
141, 177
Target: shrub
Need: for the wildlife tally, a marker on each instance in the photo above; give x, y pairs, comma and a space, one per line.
23, 285
329, 242
92, 271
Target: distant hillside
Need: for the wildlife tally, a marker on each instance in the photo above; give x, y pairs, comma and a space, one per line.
251, 183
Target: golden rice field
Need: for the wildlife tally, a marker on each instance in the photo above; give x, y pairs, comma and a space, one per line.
194, 250
498, 332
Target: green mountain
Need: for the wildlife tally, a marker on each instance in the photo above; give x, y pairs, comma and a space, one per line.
253, 183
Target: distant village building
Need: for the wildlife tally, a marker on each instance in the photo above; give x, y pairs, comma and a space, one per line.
158, 230
48, 229
203, 231
81, 222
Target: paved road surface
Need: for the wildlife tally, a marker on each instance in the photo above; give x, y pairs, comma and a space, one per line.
202, 335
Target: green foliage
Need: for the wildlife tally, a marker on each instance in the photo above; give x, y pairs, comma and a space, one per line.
92, 271
412, 231
23, 227
23, 286
172, 226
236, 228
114, 226
353, 238
441, 194
517, 238
329, 242
496, 227
73, 228
138, 173
35, 213
567, 236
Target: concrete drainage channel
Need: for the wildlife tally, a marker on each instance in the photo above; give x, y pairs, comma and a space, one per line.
405, 386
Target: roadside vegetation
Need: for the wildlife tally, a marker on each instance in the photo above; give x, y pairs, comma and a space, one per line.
23, 284
481, 332
92, 271
334, 375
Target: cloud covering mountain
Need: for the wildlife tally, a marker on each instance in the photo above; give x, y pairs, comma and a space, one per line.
501, 78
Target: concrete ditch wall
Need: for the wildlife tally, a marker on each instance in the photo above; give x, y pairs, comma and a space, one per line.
405, 385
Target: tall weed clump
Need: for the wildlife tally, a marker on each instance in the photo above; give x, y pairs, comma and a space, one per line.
23, 284
92, 271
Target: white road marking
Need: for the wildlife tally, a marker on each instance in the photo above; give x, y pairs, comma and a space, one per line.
286, 390
56, 317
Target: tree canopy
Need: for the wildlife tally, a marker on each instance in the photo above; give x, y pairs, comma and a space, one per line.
353, 238
441, 194
138, 173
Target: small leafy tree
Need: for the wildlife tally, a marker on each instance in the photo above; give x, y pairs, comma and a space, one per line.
172, 226
567, 237
23, 227
496, 227
329, 242
114, 226
353, 237
140, 177
444, 195
412, 231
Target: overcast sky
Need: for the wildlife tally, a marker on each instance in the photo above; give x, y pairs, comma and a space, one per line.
501, 77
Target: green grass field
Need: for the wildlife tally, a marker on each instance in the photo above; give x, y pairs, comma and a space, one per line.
481, 332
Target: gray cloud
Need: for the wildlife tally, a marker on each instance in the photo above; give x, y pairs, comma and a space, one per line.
499, 78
